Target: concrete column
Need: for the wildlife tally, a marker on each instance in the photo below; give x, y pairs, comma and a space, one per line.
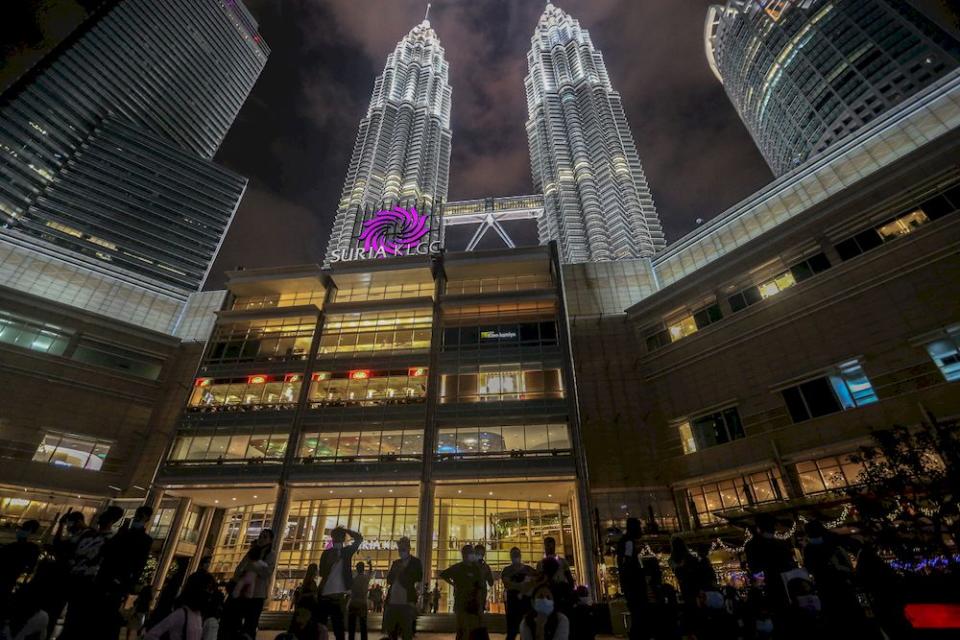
281, 512
424, 549
830, 251
170, 544
723, 302
154, 498
205, 519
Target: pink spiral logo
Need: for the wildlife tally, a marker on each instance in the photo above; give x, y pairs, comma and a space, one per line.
393, 230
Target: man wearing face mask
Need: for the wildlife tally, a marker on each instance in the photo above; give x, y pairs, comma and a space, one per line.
466, 577
406, 573
336, 577
16, 559
516, 577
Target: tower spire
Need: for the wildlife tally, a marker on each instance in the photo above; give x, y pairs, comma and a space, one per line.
426, 14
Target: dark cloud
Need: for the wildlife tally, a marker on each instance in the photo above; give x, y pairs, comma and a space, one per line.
296, 134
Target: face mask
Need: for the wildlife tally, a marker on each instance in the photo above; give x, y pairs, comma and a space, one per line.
765, 625
337, 545
543, 606
810, 603
137, 525
471, 557
404, 553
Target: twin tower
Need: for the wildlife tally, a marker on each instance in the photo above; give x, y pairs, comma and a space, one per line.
597, 204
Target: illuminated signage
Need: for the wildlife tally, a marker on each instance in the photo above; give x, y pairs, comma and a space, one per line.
359, 374
498, 335
321, 375
256, 379
203, 382
292, 377
391, 232
417, 372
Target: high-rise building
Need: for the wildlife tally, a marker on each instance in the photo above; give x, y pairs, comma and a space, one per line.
804, 74
597, 204
402, 153
105, 146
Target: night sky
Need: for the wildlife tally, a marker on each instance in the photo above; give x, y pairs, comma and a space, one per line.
295, 134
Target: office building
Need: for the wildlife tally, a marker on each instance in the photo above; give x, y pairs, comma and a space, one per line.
597, 204
402, 152
423, 396
805, 74
105, 145
89, 406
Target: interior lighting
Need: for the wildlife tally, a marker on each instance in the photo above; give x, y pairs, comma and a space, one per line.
360, 374
256, 379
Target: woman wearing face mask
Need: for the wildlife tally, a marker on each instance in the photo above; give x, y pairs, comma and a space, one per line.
544, 622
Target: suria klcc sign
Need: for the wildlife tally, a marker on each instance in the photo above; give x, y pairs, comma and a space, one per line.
391, 232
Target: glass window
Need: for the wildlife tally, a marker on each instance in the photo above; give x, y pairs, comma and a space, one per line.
376, 331
686, 437
903, 225
32, 334
848, 388
681, 328
716, 428
946, 354
852, 386
66, 450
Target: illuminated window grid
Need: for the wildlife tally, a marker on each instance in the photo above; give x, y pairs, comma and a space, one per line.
262, 340
498, 525
402, 444
502, 382
500, 284
946, 353
250, 390
827, 474
241, 526
374, 389
534, 310
501, 441
731, 494
379, 331
16, 510
228, 447
293, 299
384, 292
31, 334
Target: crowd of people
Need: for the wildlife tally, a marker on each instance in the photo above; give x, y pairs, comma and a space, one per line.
91, 572
816, 591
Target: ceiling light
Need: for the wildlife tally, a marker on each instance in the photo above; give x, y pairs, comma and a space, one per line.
491, 493
216, 502
254, 497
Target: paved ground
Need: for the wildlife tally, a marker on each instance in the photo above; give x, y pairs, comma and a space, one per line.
270, 635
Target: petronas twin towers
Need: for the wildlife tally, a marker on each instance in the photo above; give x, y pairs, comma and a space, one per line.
597, 204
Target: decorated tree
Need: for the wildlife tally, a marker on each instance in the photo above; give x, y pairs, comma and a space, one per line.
910, 489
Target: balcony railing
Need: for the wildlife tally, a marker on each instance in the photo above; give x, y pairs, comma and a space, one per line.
241, 408
386, 457
513, 453
367, 402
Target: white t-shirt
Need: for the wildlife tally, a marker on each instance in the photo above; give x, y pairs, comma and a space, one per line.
334, 583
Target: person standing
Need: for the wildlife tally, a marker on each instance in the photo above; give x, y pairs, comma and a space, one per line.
485, 571
833, 575
124, 557
53, 576
435, 598
516, 578
358, 607
242, 615
467, 579
406, 573
550, 551
376, 597
17, 558
85, 598
630, 571
186, 622
336, 577
770, 557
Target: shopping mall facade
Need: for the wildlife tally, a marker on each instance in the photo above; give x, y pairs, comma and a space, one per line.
421, 396
501, 397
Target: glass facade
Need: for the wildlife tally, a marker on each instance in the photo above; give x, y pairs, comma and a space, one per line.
505, 441
806, 76
369, 387
358, 446
262, 340
346, 335
221, 447
502, 382
827, 474
68, 450
735, 493
248, 392
498, 525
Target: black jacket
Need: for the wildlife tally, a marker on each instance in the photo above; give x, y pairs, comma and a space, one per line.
329, 558
124, 557
407, 577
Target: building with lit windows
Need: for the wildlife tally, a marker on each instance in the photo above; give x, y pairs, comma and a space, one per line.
597, 204
761, 349
426, 396
805, 74
106, 148
89, 406
402, 152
